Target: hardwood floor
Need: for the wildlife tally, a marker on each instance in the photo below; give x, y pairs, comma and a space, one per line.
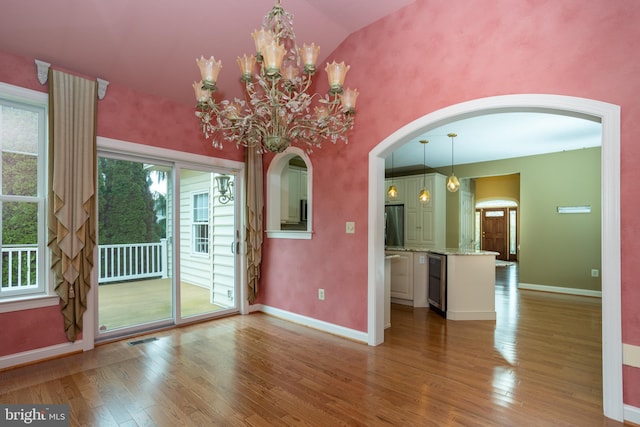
539, 364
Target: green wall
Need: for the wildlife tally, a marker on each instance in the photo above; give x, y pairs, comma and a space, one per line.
555, 249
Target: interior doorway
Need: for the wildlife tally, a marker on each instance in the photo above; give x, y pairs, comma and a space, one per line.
609, 117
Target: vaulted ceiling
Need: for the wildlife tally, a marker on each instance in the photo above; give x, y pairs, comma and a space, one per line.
151, 46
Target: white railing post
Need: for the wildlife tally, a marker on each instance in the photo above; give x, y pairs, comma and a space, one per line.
164, 258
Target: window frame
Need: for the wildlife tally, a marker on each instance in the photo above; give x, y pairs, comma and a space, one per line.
42, 295
195, 225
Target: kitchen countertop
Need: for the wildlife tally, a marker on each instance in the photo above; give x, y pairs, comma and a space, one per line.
443, 251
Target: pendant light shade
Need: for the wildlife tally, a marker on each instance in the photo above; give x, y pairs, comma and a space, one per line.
424, 196
453, 184
392, 192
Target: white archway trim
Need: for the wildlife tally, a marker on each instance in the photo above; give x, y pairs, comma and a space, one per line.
279, 162
609, 115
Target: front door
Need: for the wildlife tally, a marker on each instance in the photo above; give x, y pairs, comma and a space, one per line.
494, 232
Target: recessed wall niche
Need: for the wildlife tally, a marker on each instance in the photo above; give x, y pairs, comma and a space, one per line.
289, 191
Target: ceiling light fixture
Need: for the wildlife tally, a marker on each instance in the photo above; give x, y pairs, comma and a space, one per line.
452, 182
392, 192
278, 109
424, 195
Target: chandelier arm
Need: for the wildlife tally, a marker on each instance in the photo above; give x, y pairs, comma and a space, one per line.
278, 107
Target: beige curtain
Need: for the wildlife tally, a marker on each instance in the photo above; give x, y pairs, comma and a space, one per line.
72, 170
255, 208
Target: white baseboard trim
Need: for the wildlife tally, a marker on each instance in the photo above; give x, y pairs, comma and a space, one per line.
471, 315
560, 290
255, 307
331, 328
40, 354
401, 301
631, 414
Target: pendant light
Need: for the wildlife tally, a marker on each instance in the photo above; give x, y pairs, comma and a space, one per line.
452, 182
392, 192
424, 196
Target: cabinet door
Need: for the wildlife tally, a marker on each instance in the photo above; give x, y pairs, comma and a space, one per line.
303, 185
426, 233
294, 195
411, 187
402, 275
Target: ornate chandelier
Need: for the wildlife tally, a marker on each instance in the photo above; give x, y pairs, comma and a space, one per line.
278, 109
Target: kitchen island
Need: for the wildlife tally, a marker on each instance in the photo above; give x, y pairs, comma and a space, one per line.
470, 288
471, 284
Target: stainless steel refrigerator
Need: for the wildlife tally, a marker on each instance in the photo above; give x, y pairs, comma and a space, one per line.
394, 226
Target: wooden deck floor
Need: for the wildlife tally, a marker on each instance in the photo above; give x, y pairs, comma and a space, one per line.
538, 365
143, 301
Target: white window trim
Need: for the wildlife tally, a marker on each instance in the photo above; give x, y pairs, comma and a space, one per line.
193, 223
46, 297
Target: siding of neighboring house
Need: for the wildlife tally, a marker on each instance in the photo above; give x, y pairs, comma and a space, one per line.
215, 270
195, 268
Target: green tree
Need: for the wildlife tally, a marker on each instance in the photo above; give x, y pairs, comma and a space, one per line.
19, 219
126, 204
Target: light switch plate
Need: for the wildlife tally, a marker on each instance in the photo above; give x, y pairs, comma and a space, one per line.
351, 227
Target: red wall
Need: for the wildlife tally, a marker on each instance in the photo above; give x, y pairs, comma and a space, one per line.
436, 53
125, 115
429, 55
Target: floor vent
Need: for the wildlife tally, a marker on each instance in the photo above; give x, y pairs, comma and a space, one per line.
146, 340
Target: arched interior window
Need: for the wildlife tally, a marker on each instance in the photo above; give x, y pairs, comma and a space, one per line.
289, 189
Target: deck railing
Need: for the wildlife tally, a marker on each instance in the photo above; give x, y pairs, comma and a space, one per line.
19, 267
116, 263
132, 261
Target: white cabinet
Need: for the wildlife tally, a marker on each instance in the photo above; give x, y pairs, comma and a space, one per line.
425, 224
401, 275
420, 279
293, 190
408, 272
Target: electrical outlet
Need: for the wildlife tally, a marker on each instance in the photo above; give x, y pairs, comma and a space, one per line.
351, 227
595, 272
229, 294
321, 294
421, 260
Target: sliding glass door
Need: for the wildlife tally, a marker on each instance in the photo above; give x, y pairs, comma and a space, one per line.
134, 264
207, 243
165, 244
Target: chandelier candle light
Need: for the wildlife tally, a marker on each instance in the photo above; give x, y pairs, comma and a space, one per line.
278, 109
452, 182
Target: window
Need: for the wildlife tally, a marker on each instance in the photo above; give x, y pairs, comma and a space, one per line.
200, 221
23, 139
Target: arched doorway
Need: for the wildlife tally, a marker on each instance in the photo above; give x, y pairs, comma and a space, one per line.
609, 115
